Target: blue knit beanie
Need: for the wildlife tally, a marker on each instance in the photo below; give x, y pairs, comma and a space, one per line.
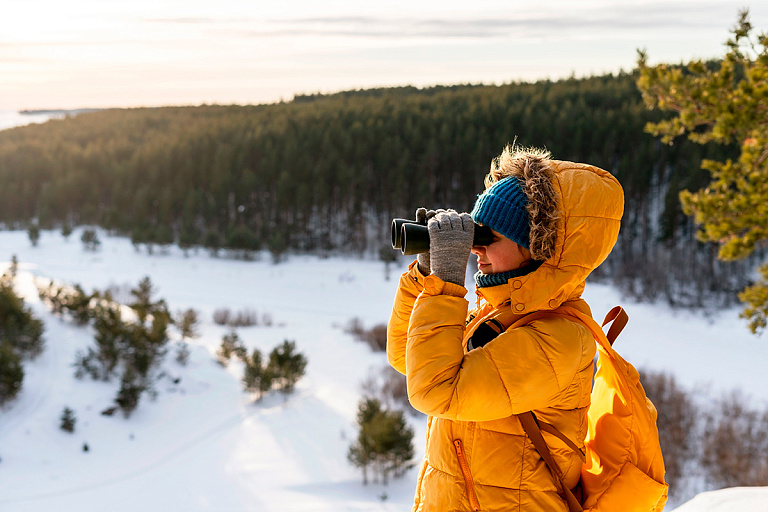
502, 208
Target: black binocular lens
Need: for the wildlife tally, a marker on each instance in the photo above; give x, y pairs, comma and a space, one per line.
412, 237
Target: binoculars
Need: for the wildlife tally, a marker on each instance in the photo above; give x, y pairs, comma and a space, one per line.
412, 237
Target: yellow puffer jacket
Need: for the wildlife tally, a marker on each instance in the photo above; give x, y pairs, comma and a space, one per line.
477, 455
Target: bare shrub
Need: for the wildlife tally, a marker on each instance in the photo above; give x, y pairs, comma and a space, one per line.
735, 444
355, 328
244, 318
678, 417
376, 336
389, 387
222, 316
394, 389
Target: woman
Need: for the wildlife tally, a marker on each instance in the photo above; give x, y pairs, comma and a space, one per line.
554, 222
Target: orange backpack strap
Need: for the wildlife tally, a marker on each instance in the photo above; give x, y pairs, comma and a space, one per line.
619, 318
550, 429
533, 431
528, 420
617, 315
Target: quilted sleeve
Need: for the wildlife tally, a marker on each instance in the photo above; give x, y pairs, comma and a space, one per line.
411, 285
523, 369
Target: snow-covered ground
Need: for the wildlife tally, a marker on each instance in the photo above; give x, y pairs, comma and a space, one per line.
12, 118
738, 499
205, 445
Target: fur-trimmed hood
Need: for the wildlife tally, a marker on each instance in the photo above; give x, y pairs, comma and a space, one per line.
575, 212
534, 171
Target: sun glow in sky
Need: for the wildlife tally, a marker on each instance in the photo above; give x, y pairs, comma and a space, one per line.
122, 53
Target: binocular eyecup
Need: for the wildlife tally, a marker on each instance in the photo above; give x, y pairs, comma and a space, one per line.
412, 237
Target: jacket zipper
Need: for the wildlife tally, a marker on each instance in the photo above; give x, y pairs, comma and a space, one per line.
467, 475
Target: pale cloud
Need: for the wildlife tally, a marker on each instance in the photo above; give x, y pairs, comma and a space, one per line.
83, 53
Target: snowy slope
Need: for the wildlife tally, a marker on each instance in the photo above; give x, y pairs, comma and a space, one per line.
738, 499
203, 444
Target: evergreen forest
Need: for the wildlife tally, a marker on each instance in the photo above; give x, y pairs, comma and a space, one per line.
326, 173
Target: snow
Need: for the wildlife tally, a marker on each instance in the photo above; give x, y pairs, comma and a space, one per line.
12, 118
741, 499
205, 445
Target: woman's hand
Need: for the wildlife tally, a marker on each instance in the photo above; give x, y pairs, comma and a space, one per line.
422, 217
450, 241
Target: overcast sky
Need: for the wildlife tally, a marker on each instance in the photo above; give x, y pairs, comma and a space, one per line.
121, 53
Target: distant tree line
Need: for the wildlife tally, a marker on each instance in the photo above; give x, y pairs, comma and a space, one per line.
327, 172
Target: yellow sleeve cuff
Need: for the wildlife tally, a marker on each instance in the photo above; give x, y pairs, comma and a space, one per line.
433, 285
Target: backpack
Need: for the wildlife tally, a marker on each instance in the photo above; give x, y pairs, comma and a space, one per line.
623, 466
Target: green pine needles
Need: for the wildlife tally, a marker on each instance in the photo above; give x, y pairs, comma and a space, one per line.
384, 444
726, 103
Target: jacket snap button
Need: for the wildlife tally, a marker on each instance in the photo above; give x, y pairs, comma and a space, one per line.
519, 307
552, 303
517, 284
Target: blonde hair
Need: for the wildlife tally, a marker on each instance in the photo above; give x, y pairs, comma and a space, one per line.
532, 167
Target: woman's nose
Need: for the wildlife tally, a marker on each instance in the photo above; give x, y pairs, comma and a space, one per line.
477, 250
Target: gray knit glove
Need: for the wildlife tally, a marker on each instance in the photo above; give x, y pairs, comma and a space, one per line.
450, 241
422, 216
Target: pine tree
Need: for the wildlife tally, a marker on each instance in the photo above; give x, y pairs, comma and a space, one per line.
33, 231
18, 325
384, 442
256, 377
189, 235
145, 306
212, 242
78, 303
90, 240
163, 237
726, 103
188, 324
138, 237
66, 230
243, 241
68, 420
130, 392
231, 344
147, 344
362, 452
11, 373
266, 380
142, 298
286, 365
112, 339
277, 245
